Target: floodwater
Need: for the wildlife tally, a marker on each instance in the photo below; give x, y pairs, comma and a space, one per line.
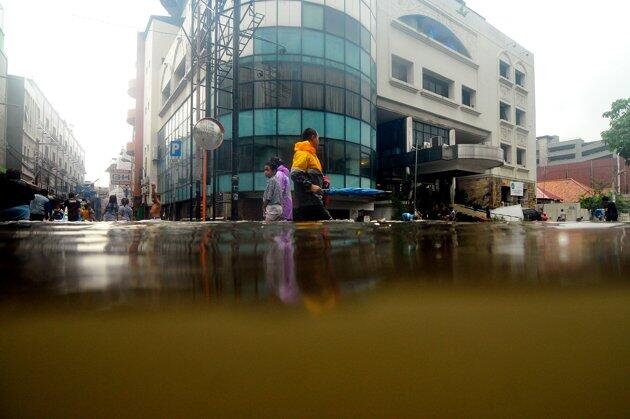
336, 319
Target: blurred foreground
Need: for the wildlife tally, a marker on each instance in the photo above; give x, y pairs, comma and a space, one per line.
341, 319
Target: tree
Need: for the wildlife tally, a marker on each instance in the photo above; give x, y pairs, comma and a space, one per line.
618, 136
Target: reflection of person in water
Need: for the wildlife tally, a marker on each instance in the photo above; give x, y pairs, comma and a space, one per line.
280, 267
315, 275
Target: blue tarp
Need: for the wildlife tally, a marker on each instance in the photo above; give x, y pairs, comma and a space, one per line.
354, 192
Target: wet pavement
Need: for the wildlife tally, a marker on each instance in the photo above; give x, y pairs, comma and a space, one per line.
389, 319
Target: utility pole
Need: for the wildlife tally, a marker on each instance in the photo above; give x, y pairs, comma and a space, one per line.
236, 47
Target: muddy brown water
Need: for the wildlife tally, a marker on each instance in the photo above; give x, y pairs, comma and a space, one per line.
387, 320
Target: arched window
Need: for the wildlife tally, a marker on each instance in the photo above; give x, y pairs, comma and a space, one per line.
436, 31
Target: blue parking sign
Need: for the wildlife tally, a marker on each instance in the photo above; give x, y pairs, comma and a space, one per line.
176, 148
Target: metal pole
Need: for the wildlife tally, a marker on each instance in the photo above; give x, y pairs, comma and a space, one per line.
215, 78
415, 179
236, 46
193, 51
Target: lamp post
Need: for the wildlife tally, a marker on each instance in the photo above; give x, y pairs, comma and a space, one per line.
415, 176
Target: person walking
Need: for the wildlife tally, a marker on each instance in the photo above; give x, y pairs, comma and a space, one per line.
156, 208
125, 212
111, 211
40, 207
611, 214
74, 207
283, 174
306, 173
272, 197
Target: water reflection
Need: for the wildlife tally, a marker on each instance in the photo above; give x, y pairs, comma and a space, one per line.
310, 265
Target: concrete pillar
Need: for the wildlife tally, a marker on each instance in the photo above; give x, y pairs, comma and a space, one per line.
409, 132
452, 137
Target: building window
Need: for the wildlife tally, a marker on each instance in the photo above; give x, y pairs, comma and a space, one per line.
562, 147
520, 157
504, 69
468, 97
504, 111
427, 136
436, 31
564, 157
519, 78
402, 70
435, 84
507, 153
520, 118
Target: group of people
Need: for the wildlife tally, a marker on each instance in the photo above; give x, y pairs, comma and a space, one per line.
308, 180
73, 209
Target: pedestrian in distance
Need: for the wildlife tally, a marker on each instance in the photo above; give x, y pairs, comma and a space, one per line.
125, 212
307, 176
87, 213
284, 179
40, 207
272, 197
111, 211
610, 210
58, 213
74, 207
156, 208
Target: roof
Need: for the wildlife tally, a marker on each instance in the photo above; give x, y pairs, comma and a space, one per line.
567, 190
542, 194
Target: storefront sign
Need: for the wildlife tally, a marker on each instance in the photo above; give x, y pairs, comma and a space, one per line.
120, 177
516, 188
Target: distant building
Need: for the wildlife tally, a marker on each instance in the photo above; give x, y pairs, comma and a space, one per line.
590, 163
40, 144
120, 176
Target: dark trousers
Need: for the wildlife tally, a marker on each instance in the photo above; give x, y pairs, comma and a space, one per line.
311, 213
37, 217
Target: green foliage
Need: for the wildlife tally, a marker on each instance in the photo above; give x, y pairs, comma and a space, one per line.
618, 136
592, 202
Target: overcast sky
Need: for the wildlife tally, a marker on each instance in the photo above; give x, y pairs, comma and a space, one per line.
82, 54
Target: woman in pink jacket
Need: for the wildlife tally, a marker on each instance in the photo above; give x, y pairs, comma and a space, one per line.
282, 174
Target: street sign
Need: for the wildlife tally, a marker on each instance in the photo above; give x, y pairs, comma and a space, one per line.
176, 148
209, 133
516, 188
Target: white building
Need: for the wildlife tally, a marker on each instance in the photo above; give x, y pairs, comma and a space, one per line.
40, 144
374, 78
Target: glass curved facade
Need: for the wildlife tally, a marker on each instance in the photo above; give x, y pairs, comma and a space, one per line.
320, 74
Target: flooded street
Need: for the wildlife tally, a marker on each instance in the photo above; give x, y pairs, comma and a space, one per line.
338, 319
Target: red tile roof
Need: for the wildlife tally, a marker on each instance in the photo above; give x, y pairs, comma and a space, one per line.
542, 194
567, 190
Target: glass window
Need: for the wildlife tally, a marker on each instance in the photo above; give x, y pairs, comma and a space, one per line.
436, 31
288, 70
353, 81
265, 122
335, 153
224, 157
366, 110
519, 78
265, 41
289, 94
313, 96
247, 96
366, 163
401, 69
246, 124
245, 154
365, 134
245, 181
468, 97
314, 120
289, 122
312, 16
265, 94
335, 77
365, 63
334, 48
290, 39
353, 105
334, 21
313, 73
353, 30
264, 149
435, 85
335, 126
286, 147
353, 159
520, 156
365, 39
504, 111
353, 55
353, 130
520, 118
504, 69
334, 99
312, 43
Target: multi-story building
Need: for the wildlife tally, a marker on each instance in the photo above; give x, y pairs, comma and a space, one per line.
3, 97
379, 80
40, 144
591, 163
